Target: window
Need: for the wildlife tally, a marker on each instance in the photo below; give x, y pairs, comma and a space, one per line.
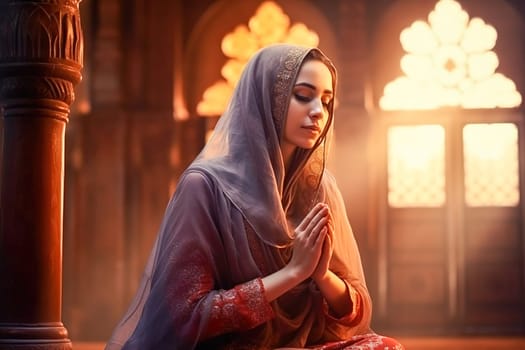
449, 62
268, 25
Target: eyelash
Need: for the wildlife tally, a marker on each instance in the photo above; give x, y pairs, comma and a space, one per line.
305, 99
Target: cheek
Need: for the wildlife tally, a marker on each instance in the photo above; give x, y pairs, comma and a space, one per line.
293, 107
294, 114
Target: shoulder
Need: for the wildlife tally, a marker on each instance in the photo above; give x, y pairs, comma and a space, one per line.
195, 184
195, 178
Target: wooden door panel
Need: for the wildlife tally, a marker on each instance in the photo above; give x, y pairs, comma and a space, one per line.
417, 270
494, 269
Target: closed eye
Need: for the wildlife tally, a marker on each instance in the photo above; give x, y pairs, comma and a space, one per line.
305, 99
302, 98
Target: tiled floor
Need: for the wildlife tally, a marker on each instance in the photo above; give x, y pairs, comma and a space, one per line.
420, 343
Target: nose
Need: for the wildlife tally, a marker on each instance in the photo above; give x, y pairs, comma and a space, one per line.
317, 109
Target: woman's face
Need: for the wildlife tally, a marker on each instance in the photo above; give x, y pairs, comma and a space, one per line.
308, 110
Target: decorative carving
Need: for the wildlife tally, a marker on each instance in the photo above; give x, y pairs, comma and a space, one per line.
41, 31
37, 87
41, 50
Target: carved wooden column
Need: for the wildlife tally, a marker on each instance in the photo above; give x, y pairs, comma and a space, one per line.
40, 62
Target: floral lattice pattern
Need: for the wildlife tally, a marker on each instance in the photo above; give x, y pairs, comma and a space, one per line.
491, 164
449, 62
416, 166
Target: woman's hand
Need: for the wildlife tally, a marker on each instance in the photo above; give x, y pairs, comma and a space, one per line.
312, 252
308, 242
322, 268
332, 287
326, 255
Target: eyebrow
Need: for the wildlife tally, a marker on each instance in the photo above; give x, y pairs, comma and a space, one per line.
328, 92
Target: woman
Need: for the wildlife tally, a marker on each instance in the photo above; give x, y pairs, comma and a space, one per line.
255, 251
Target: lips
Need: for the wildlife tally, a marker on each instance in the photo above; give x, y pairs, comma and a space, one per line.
314, 128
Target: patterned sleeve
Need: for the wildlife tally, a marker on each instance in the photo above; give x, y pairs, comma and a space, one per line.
238, 309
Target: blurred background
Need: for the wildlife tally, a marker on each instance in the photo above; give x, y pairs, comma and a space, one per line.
428, 150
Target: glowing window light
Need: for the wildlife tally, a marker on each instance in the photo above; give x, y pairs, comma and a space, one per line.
269, 25
449, 62
416, 166
491, 164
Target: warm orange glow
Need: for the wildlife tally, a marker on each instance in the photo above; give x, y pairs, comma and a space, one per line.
416, 166
449, 62
241, 43
491, 164
268, 25
300, 34
215, 99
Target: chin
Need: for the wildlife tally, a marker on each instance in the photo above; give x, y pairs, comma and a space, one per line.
304, 143
307, 145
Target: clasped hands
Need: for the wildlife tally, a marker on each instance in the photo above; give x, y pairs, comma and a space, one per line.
313, 244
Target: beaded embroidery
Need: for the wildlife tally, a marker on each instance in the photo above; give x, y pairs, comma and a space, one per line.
283, 84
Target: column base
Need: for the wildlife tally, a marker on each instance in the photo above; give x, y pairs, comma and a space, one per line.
34, 337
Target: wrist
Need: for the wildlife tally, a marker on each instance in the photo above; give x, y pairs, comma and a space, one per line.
294, 274
281, 281
321, 278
